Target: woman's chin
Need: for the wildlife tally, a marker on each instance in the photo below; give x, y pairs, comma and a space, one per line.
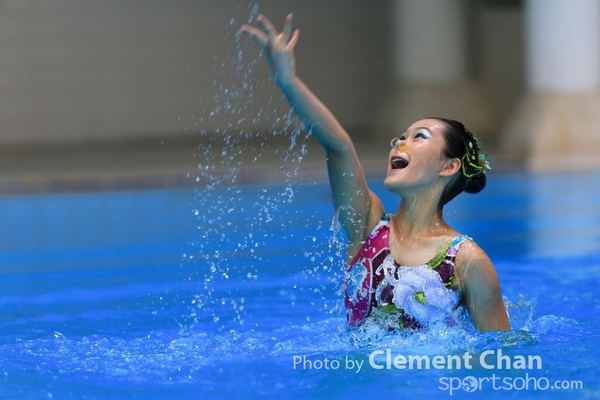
393, 184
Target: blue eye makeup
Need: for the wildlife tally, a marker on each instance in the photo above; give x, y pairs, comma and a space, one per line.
421, 134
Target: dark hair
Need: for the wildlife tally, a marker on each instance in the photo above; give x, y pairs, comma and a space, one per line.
469, 178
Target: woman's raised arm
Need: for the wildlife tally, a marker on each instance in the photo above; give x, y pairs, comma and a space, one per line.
359, 209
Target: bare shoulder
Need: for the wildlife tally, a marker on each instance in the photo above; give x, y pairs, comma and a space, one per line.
473, 264
480, 288
471, 252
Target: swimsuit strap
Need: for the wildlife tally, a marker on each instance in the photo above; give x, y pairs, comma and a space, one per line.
448, 253
455, 245
384, 222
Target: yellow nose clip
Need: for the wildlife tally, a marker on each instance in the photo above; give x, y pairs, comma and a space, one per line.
395, 142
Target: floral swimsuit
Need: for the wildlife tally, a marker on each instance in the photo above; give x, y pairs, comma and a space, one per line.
376, 284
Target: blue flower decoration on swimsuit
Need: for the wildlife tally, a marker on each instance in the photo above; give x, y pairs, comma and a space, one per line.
421, 293
418, 291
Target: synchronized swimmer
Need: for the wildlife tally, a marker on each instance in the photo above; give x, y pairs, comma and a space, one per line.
430, 163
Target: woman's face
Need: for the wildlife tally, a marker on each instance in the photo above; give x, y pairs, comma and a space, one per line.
417, 159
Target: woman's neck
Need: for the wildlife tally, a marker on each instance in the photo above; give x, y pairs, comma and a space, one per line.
419, 216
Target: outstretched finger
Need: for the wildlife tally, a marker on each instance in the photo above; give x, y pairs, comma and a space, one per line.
294, 39
267, 26
259, 36
287, 28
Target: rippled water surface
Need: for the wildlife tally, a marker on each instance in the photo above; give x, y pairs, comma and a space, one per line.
145, 295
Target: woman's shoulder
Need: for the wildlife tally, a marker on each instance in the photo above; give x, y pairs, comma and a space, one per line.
470, 253
473, 263
470, 245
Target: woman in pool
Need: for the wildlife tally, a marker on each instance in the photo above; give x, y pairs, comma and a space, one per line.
430, 163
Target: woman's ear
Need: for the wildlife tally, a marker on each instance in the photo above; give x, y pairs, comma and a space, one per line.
451, 167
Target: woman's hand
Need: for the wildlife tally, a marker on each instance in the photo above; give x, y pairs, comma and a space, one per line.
279, 47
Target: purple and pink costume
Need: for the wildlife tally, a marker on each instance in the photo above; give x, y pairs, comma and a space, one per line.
421, 294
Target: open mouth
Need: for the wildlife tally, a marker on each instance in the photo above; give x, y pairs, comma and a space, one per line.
399, 163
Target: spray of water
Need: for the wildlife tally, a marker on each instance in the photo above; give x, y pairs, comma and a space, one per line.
235, 233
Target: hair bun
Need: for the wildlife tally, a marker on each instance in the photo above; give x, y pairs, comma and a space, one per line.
476, 184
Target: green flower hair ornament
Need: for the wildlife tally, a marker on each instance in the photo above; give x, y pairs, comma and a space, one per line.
478, 163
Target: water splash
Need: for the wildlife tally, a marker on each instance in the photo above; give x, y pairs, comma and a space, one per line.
326, 269
520, 314
172, 357
230, 228
441, 339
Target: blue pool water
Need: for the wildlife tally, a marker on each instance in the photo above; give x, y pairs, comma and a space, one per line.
235, 292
